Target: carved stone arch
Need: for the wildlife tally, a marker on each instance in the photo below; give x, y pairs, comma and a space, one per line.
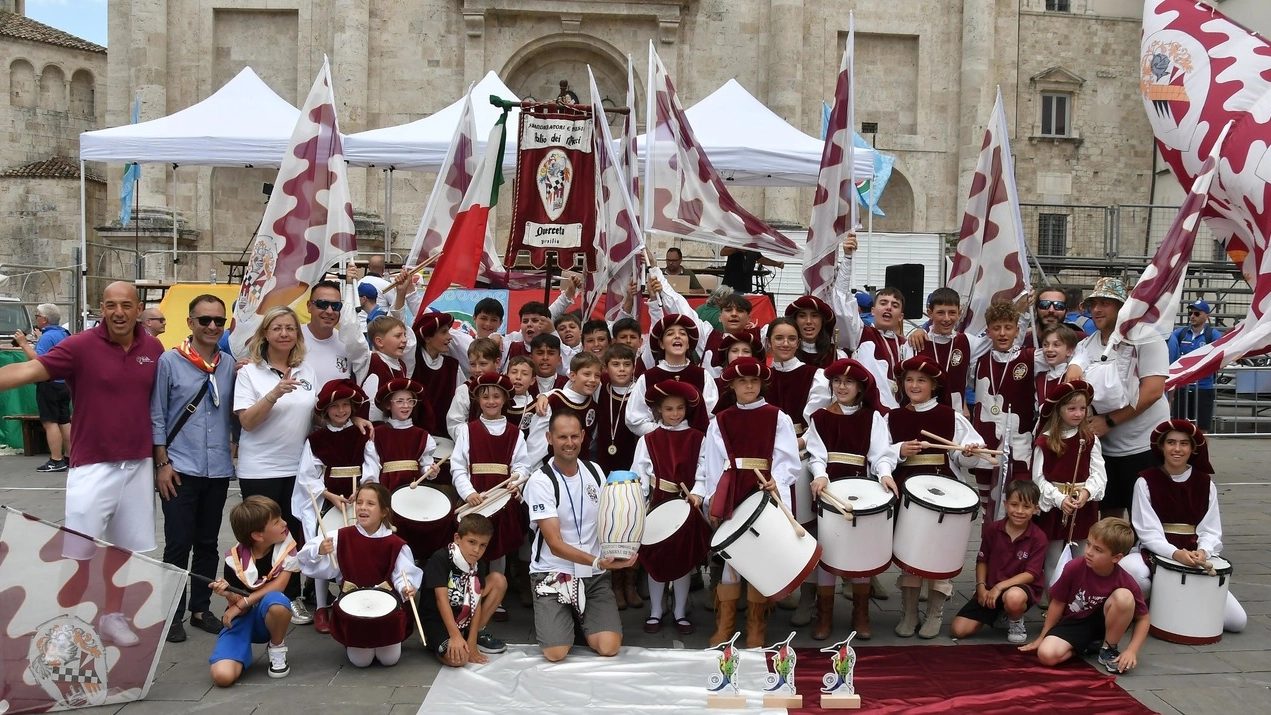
23, 89
536, 69
53, 88
83, 93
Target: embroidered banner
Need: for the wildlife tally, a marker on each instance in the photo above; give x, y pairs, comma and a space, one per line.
555, 206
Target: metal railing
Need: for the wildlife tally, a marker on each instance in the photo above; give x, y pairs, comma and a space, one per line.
1240, 403
1128, 232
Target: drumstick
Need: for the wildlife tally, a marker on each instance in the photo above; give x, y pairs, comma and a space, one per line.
776, 495
986, 453
842, 507
488, 497
951, 443
436, 465
418, 626
322, 527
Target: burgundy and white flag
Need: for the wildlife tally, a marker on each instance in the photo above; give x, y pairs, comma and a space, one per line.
834, 212
683, 194
452, 183
308, 223
990, 262
1199, 71
55, 652
629, 166
1149, 313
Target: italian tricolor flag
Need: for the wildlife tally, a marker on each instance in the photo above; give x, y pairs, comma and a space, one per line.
461, 255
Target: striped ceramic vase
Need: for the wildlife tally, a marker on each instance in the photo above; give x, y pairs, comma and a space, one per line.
621, 516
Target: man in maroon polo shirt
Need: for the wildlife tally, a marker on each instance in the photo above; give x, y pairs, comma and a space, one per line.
110, 370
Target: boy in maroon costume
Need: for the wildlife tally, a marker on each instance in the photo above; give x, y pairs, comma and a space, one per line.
393, 356
615, 442
405, 450
673, 338
438, 372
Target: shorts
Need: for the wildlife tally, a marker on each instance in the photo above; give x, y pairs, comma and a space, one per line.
438, 637
111, 501
554, 621
1123, 471
235, 642
977, 612
1081, 633
53, 402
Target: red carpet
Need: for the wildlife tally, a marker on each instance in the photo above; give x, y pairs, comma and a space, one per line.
982, 679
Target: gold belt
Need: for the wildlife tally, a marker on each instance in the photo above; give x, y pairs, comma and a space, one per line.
350, 586
345, 472
401, 465
1068, 489
669, 486
1179, 529
799, 429
488, 468
752, 463
925, 460
845, 458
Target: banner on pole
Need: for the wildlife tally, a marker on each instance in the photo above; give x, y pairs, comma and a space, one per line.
554, 210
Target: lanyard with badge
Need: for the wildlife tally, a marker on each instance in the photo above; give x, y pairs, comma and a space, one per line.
578, 527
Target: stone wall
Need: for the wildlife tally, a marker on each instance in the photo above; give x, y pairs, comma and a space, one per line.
39, 229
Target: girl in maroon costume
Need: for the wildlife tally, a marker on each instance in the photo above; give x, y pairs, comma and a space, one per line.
747, 343
405, 450
814, 322
673, 338
367, 555
438, 372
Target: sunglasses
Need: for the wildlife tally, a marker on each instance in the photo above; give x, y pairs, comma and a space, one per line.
1196, 312
206, 320
335, 305
1052, 305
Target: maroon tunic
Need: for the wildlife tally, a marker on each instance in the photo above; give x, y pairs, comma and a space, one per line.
612, 430
492, 454
954, 357
1045, 385
382, 370
399, 445
1073, 466
1178, 503
726, 397
814, 360
906, 424
439, 391
519, 417
789, 391
1013, 381
517, 348
674, 455
345, 448
693, 375
368, 562
747, 434
845, 433
558, 382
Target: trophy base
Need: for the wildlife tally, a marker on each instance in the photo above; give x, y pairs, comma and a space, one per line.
840, 702
783, 701
623, 551
726, 702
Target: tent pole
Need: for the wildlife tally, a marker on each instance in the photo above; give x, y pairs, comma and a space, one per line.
83, 251
388, 213
175, 258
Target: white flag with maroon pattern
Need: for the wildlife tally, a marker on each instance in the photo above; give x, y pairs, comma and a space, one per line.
990, 262
684, 195
452, 183
834, 207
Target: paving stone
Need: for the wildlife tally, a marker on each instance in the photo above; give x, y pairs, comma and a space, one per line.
1153, 701
1205, 700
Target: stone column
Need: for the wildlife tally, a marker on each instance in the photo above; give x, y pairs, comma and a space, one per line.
350, 71
148, 72
473, 47
785, 89
976, 89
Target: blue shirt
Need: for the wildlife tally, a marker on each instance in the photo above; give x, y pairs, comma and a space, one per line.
1183, 341
51, 335
202, 447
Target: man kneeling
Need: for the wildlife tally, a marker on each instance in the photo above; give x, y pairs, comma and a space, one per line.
568, 576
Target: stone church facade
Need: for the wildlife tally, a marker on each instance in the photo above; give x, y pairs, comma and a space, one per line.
927, 73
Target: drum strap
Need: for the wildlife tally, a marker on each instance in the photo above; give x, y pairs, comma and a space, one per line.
668, 486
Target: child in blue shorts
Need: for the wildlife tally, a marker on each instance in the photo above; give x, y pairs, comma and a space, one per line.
260, 564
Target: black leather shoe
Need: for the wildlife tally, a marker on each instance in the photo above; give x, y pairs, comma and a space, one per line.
176, 633
206, 622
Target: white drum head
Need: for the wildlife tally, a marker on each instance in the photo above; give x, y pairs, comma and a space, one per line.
1221, 565
666, 519
864, 495
421, 504
493, 507
941, 492
367, 603
445, 448
334, 521
743, 516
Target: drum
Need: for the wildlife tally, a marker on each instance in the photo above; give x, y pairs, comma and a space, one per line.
333, 520
1187, 603
369, 618
804, 507
759, 542
424, 519
933, 525
861, 546
445, 448
509, 526
676, 540
621, 522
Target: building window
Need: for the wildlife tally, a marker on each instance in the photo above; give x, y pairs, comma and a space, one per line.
1058, 5
1052, 234
1056, 108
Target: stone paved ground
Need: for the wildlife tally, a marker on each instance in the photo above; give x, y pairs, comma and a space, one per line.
1229, 677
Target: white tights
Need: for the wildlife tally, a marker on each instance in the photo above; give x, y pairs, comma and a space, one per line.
320, 594
363, 657
679, 590
1234, 617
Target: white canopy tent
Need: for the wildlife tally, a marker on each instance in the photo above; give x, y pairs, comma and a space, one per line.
749, 145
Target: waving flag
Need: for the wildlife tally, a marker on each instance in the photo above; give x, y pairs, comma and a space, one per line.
1199, 71
622, 276
1153, 303
308, 223
453, 181
132, 174
989, 263
834, 209
56, 654
684, 195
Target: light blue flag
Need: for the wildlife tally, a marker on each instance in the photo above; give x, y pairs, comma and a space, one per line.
871, 190
132, 174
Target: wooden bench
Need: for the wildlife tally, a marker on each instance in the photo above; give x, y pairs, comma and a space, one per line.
33, 441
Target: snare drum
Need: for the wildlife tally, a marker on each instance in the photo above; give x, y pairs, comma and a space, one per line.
424, 518
676, 540
445, 448
333, 520
759, 542
1187, 603
861, 546
804, 507
369, 618
933, 526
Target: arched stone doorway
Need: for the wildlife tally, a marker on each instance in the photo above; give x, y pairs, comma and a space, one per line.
536, 69
897, 202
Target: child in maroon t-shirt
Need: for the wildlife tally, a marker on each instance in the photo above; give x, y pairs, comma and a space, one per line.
1008, 569
1095, 600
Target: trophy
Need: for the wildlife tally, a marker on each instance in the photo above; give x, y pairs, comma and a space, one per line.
779, 689
621, 520
837, 691
721, 687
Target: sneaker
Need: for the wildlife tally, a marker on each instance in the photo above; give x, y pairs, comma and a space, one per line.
278, 667
1016, 632
488, 644
1108, 655
300, 614
176, 632
115, 627
54, 465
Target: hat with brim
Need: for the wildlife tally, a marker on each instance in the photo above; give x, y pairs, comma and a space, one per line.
673, 388
924, 364
853, 370
491, 379
659, 329
336, 390
427, 324
749, 336
1200, 445
1202, 305
1060, 392
1109, 288
746, 367
397, 384
811, 302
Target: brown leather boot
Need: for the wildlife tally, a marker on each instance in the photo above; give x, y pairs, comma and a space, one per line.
860, 611
824, 613
726, 597
756, 618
